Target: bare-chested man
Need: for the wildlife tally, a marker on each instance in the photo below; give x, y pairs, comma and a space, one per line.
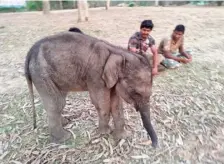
172, 48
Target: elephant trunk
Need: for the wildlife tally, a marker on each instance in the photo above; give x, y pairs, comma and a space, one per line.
145, 115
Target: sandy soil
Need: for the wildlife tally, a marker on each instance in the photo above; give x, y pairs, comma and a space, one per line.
187, 103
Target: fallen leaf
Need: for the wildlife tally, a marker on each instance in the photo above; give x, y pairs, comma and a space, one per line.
200, 139
143, 156
148, 142
109, 160
121, 142
64, 147
35, 152
201, 155
95, 141
16, 162
3, 155
179, 140
223, 131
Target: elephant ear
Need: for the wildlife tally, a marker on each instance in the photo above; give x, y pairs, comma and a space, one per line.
111, 70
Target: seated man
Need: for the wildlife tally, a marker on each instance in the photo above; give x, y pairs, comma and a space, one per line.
168, 48
140, 42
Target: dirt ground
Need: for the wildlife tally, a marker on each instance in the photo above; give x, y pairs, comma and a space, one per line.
187, 103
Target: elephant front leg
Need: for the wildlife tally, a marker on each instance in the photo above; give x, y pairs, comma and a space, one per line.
101, 100
118, 116
104, 118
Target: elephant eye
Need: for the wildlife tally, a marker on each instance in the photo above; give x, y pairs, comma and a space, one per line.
135, 94
138, 94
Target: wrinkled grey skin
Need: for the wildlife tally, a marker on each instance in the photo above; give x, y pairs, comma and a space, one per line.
71, 62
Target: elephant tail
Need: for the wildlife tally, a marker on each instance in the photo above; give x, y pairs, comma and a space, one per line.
30, 87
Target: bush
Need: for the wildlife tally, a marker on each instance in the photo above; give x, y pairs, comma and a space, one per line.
219, 3
34, 5
131, 4
55, 5
11, 9
146, 3
68, 4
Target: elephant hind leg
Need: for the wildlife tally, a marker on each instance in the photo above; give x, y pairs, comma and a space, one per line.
54, 102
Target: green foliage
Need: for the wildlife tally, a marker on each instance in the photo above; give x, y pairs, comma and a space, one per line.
11, 9
219, 3
54, 5
131, 4
34, 5
146, 3
68, 4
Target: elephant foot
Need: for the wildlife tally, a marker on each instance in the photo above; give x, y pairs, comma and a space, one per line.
64, 121
104, 130
120, 134
60, 137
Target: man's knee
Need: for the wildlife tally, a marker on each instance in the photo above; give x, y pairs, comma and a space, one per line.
149, 58
160, 58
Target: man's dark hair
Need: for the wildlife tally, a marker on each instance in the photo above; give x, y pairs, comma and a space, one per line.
75, 29
180, 28
147, 24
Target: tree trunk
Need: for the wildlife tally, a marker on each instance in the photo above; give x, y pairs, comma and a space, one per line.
86, 10
46, 7
107, 4
156, 2
219, 3
79, 11
83, 5
75, 4
60, 5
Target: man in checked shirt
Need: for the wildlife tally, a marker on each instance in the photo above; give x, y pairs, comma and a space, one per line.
141, 42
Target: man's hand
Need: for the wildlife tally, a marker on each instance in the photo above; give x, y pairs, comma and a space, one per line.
145, 47
155, 71
135, 50
183, 53
189, 58
184, 60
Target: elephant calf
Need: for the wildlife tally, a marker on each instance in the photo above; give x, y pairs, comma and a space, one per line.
72, 61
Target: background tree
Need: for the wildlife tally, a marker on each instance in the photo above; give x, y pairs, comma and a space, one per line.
107, 4
83, 10
46, 7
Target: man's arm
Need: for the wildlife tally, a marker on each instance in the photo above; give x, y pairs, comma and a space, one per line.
155, 55
168, 55
153, 48
182, 52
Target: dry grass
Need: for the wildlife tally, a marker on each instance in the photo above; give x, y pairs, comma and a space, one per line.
187, 103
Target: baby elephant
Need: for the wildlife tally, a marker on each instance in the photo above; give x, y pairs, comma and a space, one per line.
72, 61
